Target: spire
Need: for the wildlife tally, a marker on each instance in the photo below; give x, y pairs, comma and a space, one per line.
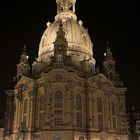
60, 34
65, 5
24, 52
109, 67
109, 64
108, 53
60, 45
24, 57
23, 67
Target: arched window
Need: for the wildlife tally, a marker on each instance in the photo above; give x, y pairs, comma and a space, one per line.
99, 105
58, 108
58, 99
100, 113
41, 103
41, 110
41, 118
79, 119
59, 57
113, 109
100, 121
25, 107
113, 115
24, 120
78, 102
78, 110
58, 95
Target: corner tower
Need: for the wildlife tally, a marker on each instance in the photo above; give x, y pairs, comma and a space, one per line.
23, 68
109, 64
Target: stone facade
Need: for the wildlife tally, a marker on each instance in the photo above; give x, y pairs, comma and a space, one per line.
63, 97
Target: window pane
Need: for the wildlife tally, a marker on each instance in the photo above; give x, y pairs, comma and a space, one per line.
59, 57
78, 102
58, 104
58, 121
100, 121
99, 105
79, 119
58, 99
113, 109
58, 109
58, 113
114, 123
58, 95
41, 103
25, 107
41, 119
24, 121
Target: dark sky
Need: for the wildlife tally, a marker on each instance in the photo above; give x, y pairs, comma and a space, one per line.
113, 21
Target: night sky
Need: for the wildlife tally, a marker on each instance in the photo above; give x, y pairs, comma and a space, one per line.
113, 21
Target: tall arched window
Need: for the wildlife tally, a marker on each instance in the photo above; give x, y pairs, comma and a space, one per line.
25, 107
41, 103
58, 99
78, 110
58, 108
113, 115
41, 110
59, 57
99, 105
78, 102
113, 109
100, 113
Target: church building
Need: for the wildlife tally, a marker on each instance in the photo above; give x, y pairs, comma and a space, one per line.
62, 96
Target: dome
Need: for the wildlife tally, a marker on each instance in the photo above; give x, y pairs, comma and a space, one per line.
80, 46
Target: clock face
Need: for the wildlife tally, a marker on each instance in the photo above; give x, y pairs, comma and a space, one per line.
59, 48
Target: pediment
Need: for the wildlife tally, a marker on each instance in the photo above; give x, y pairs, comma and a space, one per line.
60, 75
100, 81
24, 80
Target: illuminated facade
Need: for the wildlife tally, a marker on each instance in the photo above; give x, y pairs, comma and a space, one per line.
63, 96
